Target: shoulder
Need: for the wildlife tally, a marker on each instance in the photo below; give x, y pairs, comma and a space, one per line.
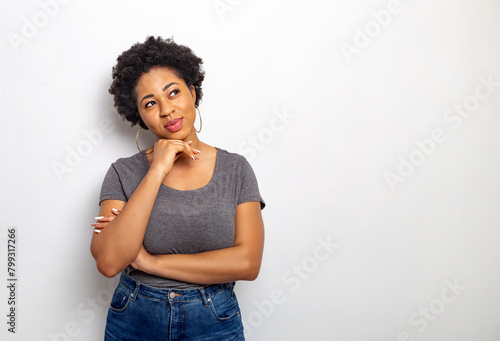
237, 170
230, 158
134, 161
131, 166
232, 161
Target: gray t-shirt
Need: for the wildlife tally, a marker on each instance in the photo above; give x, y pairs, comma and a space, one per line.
186, 222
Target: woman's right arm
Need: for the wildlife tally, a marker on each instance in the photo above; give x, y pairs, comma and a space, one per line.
118, 244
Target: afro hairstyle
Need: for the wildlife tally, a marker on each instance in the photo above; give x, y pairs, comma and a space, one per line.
141, 58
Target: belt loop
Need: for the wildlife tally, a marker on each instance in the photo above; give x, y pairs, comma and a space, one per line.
136, 291
203, 296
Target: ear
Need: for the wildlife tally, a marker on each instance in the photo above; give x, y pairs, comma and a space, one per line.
193, 93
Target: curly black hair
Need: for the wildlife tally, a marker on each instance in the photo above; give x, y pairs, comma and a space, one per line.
141, 58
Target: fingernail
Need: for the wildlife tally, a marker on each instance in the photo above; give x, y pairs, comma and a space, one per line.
114, 209
98, 231
189, 141
97, 218
192, 156
196, 150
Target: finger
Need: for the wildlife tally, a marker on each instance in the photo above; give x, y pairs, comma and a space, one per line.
99, 221
193, 150
190, 151
183, 147
104, 220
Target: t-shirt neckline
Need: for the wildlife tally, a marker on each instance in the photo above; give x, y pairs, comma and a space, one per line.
212, 179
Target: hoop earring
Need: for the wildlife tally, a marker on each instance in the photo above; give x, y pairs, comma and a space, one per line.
201, 123
137, 143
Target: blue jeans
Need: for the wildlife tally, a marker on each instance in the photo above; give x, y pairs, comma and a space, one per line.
140, 312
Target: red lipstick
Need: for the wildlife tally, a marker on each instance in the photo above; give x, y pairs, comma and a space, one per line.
174, 125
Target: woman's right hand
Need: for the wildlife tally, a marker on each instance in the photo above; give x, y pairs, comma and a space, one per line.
167, 151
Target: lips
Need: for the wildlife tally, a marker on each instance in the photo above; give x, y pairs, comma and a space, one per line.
174, 125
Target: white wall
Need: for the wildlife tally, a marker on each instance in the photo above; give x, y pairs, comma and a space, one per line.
329, 104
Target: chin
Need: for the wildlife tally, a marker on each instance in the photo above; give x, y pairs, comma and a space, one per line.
178, 135
186, 135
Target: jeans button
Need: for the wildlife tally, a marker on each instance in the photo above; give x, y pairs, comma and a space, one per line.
172, 294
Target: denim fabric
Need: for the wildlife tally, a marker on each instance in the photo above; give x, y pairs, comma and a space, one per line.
140, 312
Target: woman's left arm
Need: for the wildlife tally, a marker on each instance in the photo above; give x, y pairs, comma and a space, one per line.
240, 262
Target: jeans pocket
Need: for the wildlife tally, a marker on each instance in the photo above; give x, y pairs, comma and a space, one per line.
224, 304
120, 299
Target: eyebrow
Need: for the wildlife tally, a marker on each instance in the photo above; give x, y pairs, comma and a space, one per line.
164, 88
168, 85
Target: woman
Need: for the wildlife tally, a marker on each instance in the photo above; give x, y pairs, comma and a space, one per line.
180, 220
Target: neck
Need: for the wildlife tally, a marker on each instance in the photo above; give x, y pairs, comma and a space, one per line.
195, 141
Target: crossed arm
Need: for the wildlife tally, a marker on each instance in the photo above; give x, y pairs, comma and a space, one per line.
239, 262
120, 244
120, 241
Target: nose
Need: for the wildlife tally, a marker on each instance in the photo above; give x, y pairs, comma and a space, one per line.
166, 111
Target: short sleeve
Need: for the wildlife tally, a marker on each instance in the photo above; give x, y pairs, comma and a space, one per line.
249, 189
112, 188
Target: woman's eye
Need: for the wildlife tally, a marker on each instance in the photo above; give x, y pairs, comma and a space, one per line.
149, 104
174, 92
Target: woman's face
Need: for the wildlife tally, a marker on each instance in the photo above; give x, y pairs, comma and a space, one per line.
166, 104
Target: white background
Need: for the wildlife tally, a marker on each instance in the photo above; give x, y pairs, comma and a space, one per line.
323, 129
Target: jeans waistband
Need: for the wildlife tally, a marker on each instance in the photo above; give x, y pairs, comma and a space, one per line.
203, 293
